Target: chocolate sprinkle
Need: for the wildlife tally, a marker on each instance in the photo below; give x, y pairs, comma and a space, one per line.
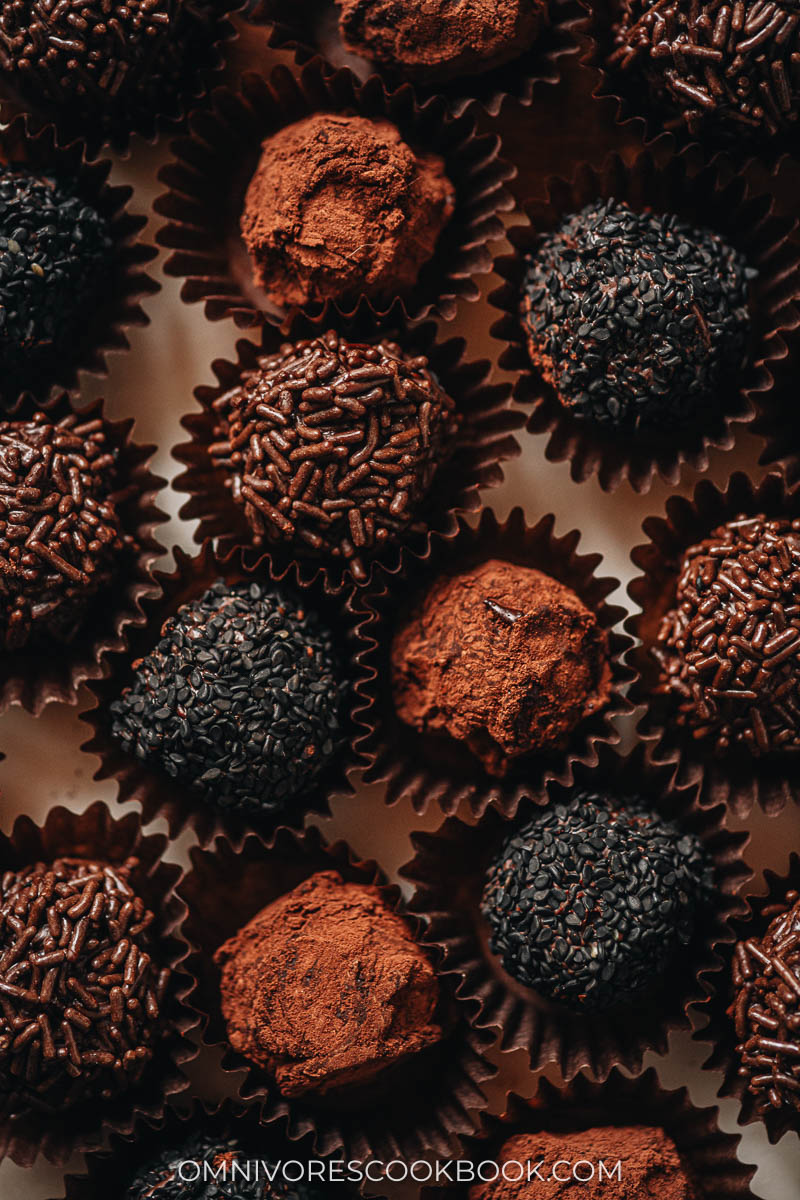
729, 649
241, 699
333, 445
53, 249
730, 63
60, 527
80, 995
590, 902
766, 1009
636, 318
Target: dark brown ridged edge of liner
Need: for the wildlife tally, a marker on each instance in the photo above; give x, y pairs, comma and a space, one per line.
153, 789
720, 1031
521, 79
223, 891
776, 421
126, 282
483, 443
96, 832
424, 772
212, 167
738, 780
448, 873
149, 126
711, 194
52, 673
707, 1154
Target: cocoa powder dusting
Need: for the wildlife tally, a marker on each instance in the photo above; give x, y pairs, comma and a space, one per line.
503, 658
650, 1166
341, 206
325, 987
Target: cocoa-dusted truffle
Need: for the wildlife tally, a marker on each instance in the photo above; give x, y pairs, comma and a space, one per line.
434, 41
766, 1009
591, 901
333, 445
61, 532
501, 657
729, 68
241, 700
729, 648
326, 988
82, 994
340, 206
54, 248
636, 318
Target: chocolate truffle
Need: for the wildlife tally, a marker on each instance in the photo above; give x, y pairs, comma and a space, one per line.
339, 207
766, 1010
107, 62
54, 249
241, 699
61, 532
591, 901
651, 1166
434, 41
333, 445
729, 648
326, 988
82, 996
727, 68
636, 318
502, 658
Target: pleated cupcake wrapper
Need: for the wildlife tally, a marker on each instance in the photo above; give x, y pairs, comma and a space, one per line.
721, 1032
151, 787
315, 31
423, 1109
777, 417
95, 833
707, 1154
737, 779
212, 167
124, 281
449, 871
424, 770
204, 66
482, 444
709, 195
51, 671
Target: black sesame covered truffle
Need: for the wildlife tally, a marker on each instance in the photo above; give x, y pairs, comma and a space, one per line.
591, 900
53, 249
636, 318
241, 699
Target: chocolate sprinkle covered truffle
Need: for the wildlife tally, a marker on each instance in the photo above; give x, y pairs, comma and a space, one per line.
502, 658
333, 445
591, 901
326, 988
729, 648
339, 207
766, 1010
241, 700
433, 41
731, 67
53, 250
636, 318
61, 533
82, 996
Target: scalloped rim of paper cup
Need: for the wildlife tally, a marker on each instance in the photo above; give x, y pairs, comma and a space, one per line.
404, 759
449, 896
38, 677
97, 832
689, 185
222, 875
212, 165
738, 780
